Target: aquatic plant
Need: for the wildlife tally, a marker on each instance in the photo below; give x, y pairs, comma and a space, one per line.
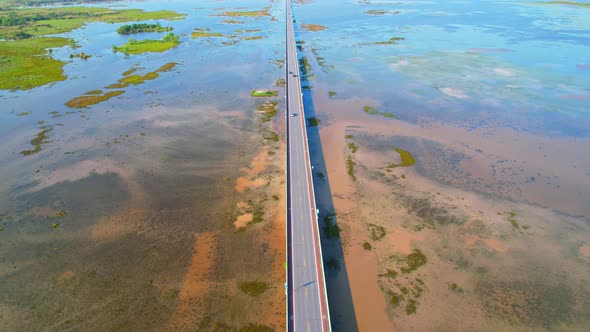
389, 273
350, 167
313, 27
412, 261
331, 229
331, 93
367, 246
352, 147
333, 264
38, 141
85, 101
411, 307
312, 122
391, 41
252, 13
264, 93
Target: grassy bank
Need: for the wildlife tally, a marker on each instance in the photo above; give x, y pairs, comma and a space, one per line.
148, 45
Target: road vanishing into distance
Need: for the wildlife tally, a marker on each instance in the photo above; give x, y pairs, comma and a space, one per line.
306, 299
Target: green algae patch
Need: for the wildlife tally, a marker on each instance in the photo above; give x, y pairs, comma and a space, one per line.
406, 157
85, 101
26, 64
253, 288
313, 27
38, 141
148, 45
253, 13
264, 93
567, 3
24, 114
313, 122
45, 21
391, 41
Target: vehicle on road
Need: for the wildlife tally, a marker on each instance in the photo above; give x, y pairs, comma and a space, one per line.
293, 114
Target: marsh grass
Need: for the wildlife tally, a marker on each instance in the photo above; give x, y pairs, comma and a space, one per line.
352, 147
89, 100
38, 141
264, 93
406, 157
376, 232
350, 167
148, 45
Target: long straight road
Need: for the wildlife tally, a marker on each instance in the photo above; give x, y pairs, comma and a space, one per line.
307, 299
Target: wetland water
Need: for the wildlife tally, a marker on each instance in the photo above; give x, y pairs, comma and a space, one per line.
487, 227
160, 208
120, 215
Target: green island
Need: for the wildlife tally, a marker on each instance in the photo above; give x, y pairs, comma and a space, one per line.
406, 157
264, 93
148, 45
25, 56
128, 29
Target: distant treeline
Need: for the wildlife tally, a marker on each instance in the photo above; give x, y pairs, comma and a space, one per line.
13, 19
142, 27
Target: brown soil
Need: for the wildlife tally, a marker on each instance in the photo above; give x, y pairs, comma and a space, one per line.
196, 283
243, 220
585, 250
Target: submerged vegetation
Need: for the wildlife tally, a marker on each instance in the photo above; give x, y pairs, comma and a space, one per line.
38, 141
391, 41
148, 45
352, 147
406, 159
374, 111
313, 122
350, 167
268, 110
92, 99
313, 27
412, 261
253, 288
331, 229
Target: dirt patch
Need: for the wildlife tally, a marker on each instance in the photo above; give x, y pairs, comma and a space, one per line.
196, 283
243, 220
585, 250
496, 245
257, 165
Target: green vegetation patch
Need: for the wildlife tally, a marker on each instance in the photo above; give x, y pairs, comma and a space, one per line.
313, 27
353, 147
142, 27
348, 136
232, 22
350, 167
331, 229
412, 261
411, 307
253, 13
264, 93
374, 111
389, 273
367, 246
280, 82
268, 110
395, 299
376, 12
26, 63
94, 92
313, 122
252, 37
376, 232
203, 33
88, 100
331, 93
511, 217
38, 141
27, 22
148, 45
406, 157
391, 41
253, 288
272, 136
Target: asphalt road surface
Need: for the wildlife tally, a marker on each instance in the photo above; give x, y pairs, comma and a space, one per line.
307, 300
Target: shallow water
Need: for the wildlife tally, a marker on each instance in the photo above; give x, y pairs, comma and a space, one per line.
98, 225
